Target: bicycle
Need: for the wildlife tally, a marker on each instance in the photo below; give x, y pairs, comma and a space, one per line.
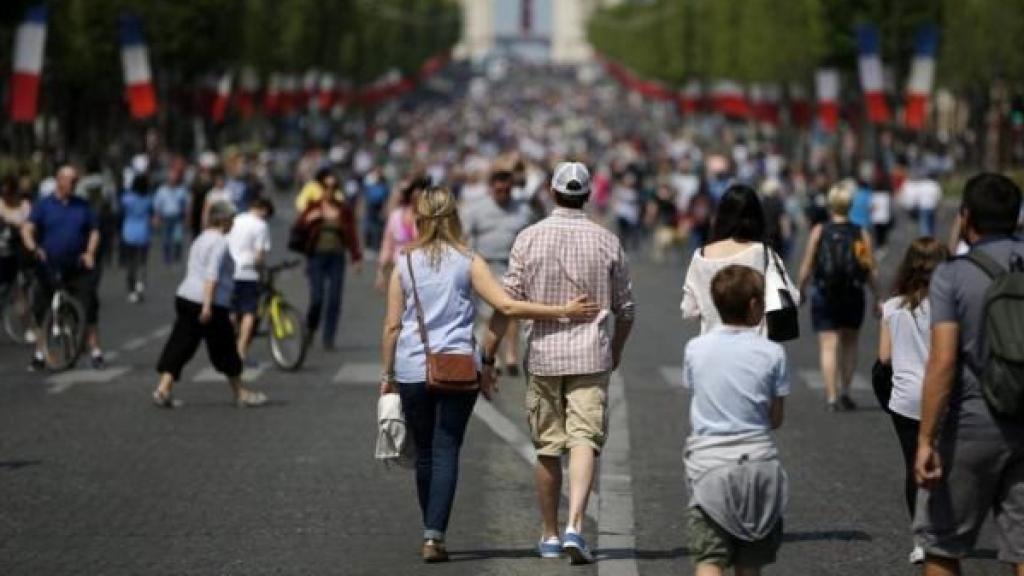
285, 329
17, 297
63, 327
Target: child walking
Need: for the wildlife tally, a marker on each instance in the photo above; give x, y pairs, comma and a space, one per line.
738, 379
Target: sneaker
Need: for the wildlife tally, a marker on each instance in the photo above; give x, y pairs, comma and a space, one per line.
30, 336
575, 547
434, 551
38, 363
847, 403
513, 370
134, 297
832, 406
162, 400
917, 555
250, 399
550, 547
97, 361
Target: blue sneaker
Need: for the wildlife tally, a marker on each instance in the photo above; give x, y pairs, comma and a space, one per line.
550, 547
576, 548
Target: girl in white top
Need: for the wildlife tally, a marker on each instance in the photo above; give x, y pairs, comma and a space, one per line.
736, 238
903, 344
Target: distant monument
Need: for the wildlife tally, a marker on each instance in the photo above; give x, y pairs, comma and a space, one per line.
566, 45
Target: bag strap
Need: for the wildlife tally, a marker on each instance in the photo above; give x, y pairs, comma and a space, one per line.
988, 265
419, 307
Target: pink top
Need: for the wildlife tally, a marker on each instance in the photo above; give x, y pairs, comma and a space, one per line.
399, 232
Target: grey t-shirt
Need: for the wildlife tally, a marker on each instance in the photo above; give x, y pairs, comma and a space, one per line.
492, 229
209, 259
957, 294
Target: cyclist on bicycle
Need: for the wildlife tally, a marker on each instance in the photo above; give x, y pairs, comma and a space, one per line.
62, 234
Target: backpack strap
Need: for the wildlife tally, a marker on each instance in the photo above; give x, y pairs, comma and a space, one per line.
988, 265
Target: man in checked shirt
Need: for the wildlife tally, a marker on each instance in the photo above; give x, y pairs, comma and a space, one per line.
569, 364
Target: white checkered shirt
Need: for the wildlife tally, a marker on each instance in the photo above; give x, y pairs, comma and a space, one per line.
560, 258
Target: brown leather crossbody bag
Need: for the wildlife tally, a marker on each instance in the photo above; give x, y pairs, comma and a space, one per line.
450, 373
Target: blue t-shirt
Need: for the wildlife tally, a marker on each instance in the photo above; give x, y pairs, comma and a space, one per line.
63, 228
860, 209
170, 201
138, 215
734, 373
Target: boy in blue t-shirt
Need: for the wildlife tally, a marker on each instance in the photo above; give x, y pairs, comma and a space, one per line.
738, 379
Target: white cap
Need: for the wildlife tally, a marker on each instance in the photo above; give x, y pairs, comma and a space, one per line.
571, 179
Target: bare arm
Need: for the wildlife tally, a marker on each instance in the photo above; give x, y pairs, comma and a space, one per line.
392, 329
491, 291
938, 387
884, 344
807, 265
28, 236
778, 412
872, 265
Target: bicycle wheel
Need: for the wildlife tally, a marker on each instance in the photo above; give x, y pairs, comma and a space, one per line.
17, 316
287, 336
64, 334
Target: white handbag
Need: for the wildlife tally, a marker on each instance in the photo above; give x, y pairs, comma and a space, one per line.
394, 446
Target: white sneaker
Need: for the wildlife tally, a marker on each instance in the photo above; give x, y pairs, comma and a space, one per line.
917, 555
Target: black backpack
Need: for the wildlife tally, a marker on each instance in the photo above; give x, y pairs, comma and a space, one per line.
1002, 376
838, 270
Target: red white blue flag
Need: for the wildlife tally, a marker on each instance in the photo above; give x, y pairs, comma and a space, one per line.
922, 77
826, 85
221, 98
872, 76
728, 99
138, 77
29, 44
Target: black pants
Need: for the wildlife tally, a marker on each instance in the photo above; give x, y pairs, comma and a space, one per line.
81, 283
135, 259
906, 431
188, 332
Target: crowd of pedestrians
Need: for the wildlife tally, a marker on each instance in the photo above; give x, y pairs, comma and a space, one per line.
473, 217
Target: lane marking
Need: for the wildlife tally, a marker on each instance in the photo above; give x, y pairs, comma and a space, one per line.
135, 343
814, 380
672, 375
161, 332
616, 527
358, 373
60, 383
209, 374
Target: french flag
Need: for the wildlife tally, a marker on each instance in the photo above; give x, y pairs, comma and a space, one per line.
326, 95
249, 85
272, 96
690, 97
826, 84
138, 78
872, 77
799, 108
219, 110
728, 99
764, 100
29, 44
922, 77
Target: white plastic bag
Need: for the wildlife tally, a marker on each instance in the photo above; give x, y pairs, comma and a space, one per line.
394, 447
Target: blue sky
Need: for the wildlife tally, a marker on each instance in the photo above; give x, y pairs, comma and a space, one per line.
506, 15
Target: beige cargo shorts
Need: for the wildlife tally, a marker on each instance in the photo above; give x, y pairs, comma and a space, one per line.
567, 411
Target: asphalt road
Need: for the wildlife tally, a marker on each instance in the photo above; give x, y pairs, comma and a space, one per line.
95, 480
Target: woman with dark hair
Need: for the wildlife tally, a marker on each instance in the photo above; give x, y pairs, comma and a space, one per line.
903, 352
737, 237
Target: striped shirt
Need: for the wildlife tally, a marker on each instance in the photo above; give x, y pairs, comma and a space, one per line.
556, 260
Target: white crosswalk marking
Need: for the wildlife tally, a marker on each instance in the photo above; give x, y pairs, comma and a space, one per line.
209, 374
814, 380
60, 383
672, 375
135, 343
358, 373
161, 332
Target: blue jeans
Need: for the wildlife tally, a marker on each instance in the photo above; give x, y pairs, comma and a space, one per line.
438, 425
173, 235
926, 222
326, 279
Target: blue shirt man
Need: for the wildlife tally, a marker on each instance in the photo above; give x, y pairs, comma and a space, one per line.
62, 228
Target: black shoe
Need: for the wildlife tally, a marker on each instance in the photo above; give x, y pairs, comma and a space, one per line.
38, 364
97, 361
847, 403
513, 370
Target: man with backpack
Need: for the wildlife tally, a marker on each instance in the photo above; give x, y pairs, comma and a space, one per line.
970, 448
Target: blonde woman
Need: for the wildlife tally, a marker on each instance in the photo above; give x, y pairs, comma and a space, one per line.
840, 262
446, 274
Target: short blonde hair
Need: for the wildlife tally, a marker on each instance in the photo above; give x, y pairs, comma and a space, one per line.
840, 197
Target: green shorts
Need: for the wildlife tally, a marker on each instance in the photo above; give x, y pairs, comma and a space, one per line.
710, 544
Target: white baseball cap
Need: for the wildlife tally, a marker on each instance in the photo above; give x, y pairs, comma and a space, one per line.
571, 179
